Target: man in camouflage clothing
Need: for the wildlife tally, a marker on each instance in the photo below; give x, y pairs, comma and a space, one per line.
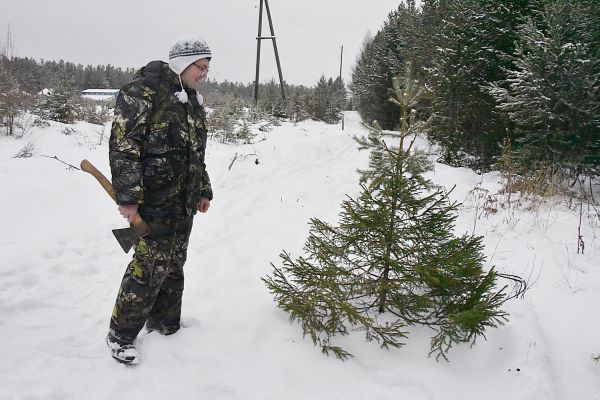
156, 151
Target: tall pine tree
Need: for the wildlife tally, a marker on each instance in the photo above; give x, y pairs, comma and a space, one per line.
381, 59
13, 100
371, 82
473, 44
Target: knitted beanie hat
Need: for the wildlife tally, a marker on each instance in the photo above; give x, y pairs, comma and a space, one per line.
186, 50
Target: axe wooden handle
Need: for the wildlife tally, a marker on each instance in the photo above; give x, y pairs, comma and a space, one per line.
90, 169
108, 187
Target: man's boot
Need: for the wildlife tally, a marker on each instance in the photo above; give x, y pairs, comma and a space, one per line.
125, 353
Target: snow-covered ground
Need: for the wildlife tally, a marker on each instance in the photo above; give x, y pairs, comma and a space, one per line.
60, 269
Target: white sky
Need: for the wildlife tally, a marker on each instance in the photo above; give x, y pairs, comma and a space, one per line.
129, 33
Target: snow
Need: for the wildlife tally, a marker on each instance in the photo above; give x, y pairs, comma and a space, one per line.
61, 268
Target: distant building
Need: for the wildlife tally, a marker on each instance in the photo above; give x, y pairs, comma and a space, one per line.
100, 94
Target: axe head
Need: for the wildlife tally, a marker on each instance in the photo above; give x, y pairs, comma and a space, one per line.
128, 237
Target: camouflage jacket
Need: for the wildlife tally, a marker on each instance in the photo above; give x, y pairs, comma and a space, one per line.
157, 147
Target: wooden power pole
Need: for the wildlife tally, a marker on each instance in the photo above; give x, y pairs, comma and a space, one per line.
259, 38
341, 62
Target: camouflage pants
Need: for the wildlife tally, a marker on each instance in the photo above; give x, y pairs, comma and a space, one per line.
152, 286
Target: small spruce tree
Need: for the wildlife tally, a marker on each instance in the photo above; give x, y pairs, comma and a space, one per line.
244, 134
393, 260
62, 101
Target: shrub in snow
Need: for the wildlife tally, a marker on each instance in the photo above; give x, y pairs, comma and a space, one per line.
26, 151
68, 131
38, 122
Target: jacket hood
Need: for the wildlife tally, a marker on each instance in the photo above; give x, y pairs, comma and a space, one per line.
154, 71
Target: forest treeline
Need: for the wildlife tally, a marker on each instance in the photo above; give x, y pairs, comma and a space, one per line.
33, 76
51, 90
510, 83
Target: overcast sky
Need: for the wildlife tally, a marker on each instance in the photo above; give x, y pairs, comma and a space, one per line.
129, 33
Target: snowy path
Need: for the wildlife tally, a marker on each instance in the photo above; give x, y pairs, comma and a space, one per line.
60, 269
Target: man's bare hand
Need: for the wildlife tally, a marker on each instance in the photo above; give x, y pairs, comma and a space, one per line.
203, 204
128, 211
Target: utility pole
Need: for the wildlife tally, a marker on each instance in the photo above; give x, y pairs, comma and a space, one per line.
259, 37
258, 42
341, 62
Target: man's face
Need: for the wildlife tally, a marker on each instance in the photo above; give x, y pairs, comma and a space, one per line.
195, 73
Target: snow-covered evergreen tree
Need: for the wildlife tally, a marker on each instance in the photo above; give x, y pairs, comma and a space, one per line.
270, 99
381, 58
298, 106
472, 45
223, 120
552, 95
328, 100
13, 100
61, 103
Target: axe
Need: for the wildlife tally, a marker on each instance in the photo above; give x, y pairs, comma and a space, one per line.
126, 237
